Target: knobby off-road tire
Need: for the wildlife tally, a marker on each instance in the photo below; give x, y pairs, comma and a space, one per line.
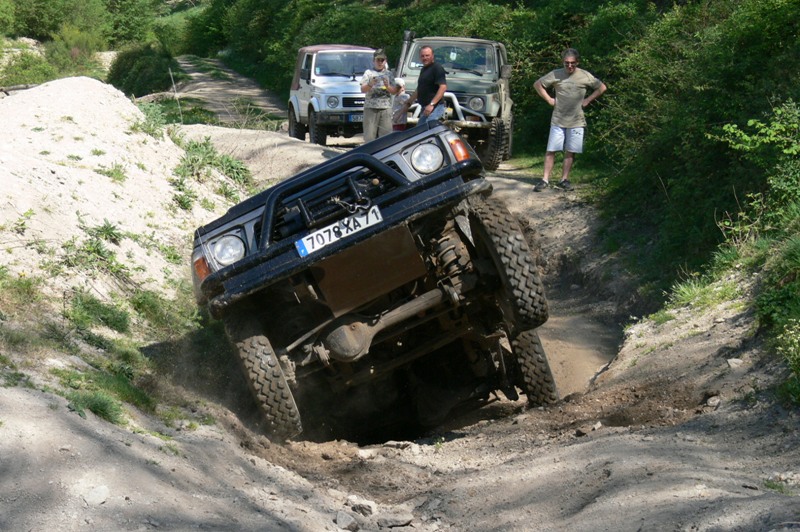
296, 129
499, 235
496, 145
316, 132
536, 379
265, 377
509, 147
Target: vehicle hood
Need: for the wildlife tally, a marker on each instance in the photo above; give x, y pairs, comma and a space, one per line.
462, 85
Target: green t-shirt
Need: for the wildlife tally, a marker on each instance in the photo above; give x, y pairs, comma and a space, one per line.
570, 92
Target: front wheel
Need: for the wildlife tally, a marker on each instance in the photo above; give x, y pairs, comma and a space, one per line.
265, 377
499, 238
296, 129
535, 378
316, 132
496, 145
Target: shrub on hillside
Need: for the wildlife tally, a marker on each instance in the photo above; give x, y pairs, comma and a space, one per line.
27, 69
142, 70
72, 49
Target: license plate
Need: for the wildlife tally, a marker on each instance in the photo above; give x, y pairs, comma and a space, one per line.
356, 118
336, 231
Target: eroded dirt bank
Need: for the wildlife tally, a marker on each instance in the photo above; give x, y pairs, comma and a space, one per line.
677, 431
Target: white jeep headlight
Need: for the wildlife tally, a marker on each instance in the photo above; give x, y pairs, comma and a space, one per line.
427, 158
476, 103
228, 249
333, 102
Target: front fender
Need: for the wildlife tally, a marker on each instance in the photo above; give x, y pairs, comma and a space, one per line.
294, 103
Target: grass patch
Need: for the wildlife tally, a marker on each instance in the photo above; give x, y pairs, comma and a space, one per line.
661, 317
85, 310
99, 403
186, 111
102, 393
152, 122
116, 173
106, 231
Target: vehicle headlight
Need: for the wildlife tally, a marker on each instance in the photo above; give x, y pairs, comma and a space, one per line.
228, 249
333, 102
427, 158
476, 103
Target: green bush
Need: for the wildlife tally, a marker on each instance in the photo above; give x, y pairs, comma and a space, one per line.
72, 50
27, 68
142, 69
699, 65
41, 19
6, 17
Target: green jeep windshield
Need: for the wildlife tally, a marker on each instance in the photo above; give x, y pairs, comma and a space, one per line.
458, 59
342, 63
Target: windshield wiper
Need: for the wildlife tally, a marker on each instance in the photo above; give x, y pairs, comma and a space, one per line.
470, 70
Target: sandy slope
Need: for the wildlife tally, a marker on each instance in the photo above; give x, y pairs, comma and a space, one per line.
679, 432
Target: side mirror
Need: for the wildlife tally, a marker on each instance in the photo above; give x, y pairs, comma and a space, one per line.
505, 72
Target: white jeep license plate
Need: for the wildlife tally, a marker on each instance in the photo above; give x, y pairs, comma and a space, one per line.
336, 231
356, 118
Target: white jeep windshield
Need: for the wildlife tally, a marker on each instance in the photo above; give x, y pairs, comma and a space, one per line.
342, 63
459, 59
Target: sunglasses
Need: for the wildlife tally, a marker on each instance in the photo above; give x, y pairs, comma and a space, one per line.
570, 63
380, 59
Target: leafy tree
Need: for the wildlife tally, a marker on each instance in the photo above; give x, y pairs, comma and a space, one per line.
699, 65
6, 17
131, 20
41, 19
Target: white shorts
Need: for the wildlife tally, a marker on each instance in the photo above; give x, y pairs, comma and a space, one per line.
565, 139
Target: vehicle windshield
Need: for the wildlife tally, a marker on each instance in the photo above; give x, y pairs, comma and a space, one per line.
459, 59
342, 63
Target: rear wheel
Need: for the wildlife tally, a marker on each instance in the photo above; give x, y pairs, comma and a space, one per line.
535, 379
264, 376
296, 129
316, 132
499, 236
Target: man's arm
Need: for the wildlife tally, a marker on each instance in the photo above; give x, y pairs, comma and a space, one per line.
595, 95
437, 98
366, 83
543, 92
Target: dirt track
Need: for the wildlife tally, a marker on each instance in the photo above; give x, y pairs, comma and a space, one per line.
678, 432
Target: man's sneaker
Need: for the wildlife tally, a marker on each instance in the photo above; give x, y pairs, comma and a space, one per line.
541, 186
564, 184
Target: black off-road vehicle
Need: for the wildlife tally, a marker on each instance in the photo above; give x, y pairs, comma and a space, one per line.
377, 291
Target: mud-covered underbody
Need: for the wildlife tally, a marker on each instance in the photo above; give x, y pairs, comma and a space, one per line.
393, 333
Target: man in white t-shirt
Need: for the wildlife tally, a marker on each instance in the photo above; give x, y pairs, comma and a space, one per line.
378, 84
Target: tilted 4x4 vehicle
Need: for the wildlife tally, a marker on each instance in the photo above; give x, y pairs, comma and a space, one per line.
325, 98
478, 96
377, 291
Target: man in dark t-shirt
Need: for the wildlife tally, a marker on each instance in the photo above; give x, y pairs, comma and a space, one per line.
431, 86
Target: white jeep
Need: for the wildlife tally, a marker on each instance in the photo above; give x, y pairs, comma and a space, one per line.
325, 98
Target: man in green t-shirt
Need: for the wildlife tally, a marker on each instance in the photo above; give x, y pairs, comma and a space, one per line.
569, 85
